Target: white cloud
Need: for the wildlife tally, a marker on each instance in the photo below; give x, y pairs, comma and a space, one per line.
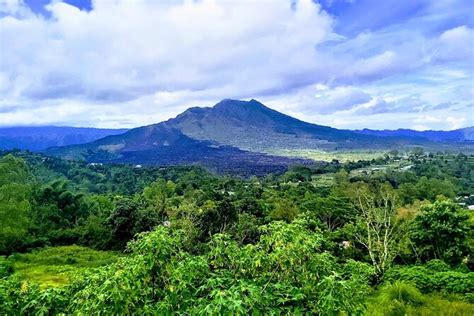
162, 47
455, 44
374, 66
14, 7
128, 63
338, 99
124, 50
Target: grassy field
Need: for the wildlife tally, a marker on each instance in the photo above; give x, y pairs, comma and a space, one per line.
319, 155
56, 266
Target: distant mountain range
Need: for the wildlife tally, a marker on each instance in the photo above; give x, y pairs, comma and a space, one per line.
37, 138
458, 135
231, 134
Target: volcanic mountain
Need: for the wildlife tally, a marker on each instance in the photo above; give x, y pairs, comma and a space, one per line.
232, 132
160, 144
252, 126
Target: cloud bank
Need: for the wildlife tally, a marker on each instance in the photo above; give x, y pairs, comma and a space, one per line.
129, 63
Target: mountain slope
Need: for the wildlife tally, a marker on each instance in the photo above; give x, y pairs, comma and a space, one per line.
255, 127
160, 144
231, 134
42, 137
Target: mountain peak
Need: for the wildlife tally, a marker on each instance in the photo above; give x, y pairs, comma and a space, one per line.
229, 103
225, 103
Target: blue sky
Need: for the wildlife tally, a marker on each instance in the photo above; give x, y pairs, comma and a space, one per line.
344, 63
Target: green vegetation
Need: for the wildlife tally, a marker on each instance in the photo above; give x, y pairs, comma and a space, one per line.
321, 155
386, 236
402, 298
55, 266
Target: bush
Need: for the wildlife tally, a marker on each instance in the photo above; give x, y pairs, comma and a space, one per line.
285, 272
404, 293
438, 265
396, 299
429, 278
6, 267
19, 297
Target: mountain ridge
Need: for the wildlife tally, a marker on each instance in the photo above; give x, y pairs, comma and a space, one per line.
456, 135
237, 132
250, 125
159, 144
37, 138
233, 122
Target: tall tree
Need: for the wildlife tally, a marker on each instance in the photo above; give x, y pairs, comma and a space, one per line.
377, 231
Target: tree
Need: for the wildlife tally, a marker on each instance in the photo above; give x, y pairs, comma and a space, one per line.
216, 217
245, 229
57, 212
377, 231
157, 194
123, 220
15, 194
285, 210
441, 231
334, 211
57, 204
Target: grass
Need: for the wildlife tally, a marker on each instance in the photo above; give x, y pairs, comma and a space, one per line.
320, 155
401, 298
57, 266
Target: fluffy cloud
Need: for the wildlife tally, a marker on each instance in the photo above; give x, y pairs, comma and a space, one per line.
125, 49
379, 105
128, 63
328, 101
456, 44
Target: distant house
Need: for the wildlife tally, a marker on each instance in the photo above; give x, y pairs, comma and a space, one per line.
470, 207
95, 164
138, 166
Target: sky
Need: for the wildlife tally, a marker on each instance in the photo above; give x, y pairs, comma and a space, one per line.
349, 64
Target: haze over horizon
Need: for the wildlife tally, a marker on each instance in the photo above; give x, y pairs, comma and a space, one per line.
349, 64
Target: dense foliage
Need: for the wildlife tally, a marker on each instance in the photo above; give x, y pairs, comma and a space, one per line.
387, 236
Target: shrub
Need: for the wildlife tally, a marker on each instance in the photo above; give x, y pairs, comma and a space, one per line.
396, 299
19, 297
438, 265
404, 293
430, 280
6, 267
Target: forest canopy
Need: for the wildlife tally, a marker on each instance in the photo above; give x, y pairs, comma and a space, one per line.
387, 236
